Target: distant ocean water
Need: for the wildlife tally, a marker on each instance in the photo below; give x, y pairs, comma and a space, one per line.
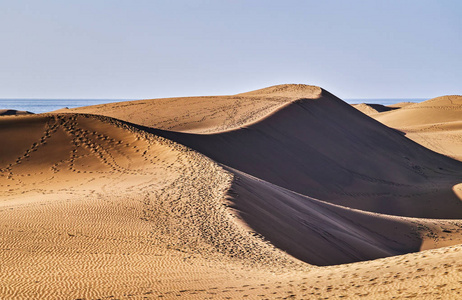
47, 105
384, 101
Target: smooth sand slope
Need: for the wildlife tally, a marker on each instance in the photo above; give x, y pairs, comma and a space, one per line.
435, 124
324, 234
93, 208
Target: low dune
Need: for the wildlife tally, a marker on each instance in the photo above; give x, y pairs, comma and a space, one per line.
400, 104
371, 109
324, 148
13, 112
166, 198
437, 110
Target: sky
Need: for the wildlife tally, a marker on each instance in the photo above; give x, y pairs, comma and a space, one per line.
142, 49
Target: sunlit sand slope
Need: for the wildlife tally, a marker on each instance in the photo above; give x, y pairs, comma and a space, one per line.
92, 207
435, 124
203, 114
324, 148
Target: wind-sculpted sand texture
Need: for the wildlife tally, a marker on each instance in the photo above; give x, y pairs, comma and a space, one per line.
435, 124
90, 205
96, 208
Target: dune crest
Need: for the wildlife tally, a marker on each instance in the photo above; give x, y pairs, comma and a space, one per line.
204, 115
287, 90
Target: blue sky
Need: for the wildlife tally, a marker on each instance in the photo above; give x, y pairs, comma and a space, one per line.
150, 49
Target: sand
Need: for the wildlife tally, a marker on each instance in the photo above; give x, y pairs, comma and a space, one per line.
372, 109
435, 124
284, 192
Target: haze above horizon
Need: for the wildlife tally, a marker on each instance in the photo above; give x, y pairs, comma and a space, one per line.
146, 49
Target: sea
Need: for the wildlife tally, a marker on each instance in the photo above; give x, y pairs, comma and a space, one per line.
46, 105
385, 101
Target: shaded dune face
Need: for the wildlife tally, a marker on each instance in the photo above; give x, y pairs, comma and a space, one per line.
322, 234
325, 149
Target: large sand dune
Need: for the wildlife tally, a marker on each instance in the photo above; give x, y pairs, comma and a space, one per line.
271, 184
325, 149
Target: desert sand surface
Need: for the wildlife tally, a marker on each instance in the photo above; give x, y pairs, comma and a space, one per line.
401, 104
435, 123
284, 192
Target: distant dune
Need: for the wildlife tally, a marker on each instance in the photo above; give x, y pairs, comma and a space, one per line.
435, 124
436, 110
13, 112
202, 114
370, 109
241, 196
400, 104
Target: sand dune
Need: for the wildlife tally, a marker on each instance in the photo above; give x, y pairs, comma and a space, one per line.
13, 112
436, 110
326, 149
96, 203
93, 207
435, 124
400, 104
371, 109
203, 114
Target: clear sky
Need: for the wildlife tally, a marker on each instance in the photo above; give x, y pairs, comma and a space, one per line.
148, 49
